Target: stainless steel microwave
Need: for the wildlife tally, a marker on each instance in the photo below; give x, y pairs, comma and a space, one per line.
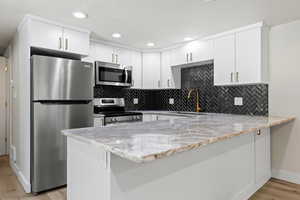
113, 74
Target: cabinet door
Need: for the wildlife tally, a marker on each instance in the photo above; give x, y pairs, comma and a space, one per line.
103, 53
45, 35
167, 80
137, 70
179, 56
262, 155
224, 60
123, 56
98, 122
248, 56
149, 117
151, 71
200, 50
76, 41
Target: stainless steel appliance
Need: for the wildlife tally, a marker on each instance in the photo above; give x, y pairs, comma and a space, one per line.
113, 111
113, 74
61, 99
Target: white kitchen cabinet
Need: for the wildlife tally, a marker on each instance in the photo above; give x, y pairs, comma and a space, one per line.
136, 70
76, 41
262, 155
179, 56
224, 60
167, 80
98, 122
46, 35
151, 71
101, 52
200, 50
195, 51
123, 56
149, 117
249, 52
51, 36
241, 57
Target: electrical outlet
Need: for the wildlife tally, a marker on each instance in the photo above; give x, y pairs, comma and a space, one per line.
171, 101
238, 101
135, 101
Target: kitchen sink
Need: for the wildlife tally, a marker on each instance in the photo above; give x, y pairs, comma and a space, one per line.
188, 113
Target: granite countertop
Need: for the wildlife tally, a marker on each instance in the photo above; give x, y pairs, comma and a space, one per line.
147, 141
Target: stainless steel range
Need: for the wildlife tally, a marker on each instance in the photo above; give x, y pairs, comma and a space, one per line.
113, 111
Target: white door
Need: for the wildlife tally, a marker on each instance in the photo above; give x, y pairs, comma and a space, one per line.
101, 52
76, 41
151, 70
2, 107
46, 35
224, 60
167, 80
248, 56
137, 70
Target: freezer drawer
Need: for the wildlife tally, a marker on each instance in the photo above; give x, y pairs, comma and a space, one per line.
61, 79
49, 147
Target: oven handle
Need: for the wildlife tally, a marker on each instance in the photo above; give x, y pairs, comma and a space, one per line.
126, 76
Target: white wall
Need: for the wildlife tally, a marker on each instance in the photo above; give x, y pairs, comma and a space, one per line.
19, 57
284, 99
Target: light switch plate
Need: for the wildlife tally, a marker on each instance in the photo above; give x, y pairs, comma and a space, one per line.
135, 101
171, 101
238, 101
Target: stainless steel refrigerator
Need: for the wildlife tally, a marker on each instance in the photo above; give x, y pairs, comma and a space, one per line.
61, 99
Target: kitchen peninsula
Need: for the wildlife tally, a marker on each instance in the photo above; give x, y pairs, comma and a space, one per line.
222, 156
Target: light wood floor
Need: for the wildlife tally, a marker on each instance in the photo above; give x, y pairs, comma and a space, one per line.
10, 189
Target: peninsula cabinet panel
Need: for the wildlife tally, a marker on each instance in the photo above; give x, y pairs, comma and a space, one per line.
234, 166
151, 71
262, 155
224, 60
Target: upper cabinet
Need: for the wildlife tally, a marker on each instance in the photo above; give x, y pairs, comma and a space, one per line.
191, 52
241, 57
51, 36
136, 70
224, 60
151, 71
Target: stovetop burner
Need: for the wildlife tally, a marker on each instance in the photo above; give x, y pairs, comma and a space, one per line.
113, 110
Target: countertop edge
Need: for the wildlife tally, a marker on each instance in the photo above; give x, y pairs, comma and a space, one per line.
156, 156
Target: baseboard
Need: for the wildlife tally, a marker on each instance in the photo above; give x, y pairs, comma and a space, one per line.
286, 176
24, 182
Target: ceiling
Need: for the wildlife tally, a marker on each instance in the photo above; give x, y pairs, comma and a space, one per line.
164, 22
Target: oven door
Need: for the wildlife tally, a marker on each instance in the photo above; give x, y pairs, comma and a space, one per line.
115, 75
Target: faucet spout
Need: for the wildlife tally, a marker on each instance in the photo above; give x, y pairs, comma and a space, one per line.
198, 108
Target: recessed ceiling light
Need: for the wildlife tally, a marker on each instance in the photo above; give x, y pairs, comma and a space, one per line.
80, 15
116, 35
188, 39
150, 44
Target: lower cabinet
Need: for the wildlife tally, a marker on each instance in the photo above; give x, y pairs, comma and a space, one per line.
149, 117
153, 117
98, 121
